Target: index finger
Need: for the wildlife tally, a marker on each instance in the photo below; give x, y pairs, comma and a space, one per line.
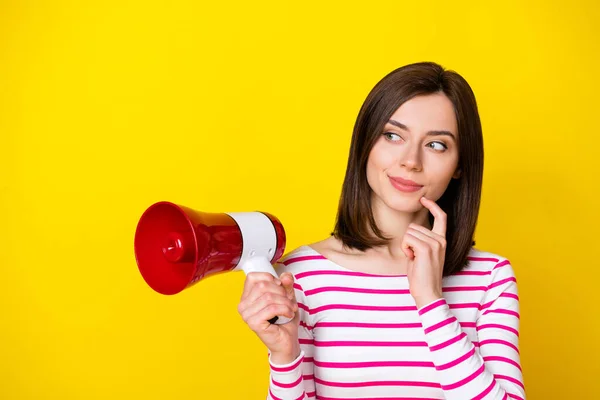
439, 216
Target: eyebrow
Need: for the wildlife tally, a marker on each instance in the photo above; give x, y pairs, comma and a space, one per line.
429, 133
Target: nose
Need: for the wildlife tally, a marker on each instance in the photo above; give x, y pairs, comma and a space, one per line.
411, 158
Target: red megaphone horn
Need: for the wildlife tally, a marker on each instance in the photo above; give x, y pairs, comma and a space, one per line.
175, 246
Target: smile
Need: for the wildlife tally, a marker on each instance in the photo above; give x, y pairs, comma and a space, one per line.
405, 185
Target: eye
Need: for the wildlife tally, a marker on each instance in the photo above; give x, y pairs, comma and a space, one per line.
392, 137
438, 146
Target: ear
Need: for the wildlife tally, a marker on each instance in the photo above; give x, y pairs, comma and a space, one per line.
457, 173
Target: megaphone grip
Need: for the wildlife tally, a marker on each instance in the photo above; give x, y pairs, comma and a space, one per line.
261, 264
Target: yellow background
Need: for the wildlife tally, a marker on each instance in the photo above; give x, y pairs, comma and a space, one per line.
108, 107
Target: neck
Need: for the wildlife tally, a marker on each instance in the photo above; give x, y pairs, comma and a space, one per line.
393, 224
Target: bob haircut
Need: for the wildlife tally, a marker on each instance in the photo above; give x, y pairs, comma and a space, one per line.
355, 225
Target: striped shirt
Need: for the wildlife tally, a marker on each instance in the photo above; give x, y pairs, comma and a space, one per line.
362, 336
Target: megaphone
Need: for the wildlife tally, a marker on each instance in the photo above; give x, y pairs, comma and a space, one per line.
176, 247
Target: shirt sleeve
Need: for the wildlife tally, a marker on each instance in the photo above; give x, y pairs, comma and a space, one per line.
493, 371
296, 381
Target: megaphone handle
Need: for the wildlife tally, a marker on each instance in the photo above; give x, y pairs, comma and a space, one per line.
261, 264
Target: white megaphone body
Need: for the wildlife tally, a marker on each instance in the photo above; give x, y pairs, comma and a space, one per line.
175, 246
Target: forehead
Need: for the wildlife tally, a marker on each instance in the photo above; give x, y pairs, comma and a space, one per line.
427, 112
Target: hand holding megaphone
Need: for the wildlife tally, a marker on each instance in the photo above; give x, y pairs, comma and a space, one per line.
263, 297
175, 246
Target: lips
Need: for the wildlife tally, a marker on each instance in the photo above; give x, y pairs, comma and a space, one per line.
405, 185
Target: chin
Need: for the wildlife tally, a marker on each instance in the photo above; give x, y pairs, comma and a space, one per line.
406, 204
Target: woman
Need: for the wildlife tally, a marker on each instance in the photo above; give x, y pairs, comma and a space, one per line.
397, 303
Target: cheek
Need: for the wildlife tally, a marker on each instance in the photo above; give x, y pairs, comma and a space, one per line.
380, 159
441, 174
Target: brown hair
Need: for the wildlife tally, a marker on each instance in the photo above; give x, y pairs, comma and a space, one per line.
460, 201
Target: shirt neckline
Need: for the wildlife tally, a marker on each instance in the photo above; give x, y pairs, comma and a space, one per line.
307, 248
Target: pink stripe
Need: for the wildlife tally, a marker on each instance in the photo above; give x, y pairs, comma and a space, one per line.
502, 264
273, 396
437, 326
377, 383
304, 307
457, 361
434, 305
498, 326
503, 359
370, 364
464, 305
311, 394
464, 289
356, 290
286, 369
277, 398
361, 308
448, 342
498, 341
502, 282
505, 396
486, 305
297, 286
482, 395
463, 382
366, 325
378, 398
514, 396
302, 258
510, 379
287, 385
308, 377
352, 343
376, 325
309, 342
343, 273
510, 295
473, 273
503, 311
309, 359
304, 324
483, 259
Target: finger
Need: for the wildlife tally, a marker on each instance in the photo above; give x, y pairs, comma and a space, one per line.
408, 252
413, 243
408, 246
439, 216
266, 299
253, 277
426, 231
287, 281
431, 242
261, 317
263, 287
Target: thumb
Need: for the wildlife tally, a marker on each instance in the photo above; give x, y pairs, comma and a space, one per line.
287, 280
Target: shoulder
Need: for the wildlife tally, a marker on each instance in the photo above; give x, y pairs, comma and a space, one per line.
299, 261
480, 260
496, 268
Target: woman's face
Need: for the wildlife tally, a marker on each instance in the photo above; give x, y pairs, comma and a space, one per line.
416, 154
